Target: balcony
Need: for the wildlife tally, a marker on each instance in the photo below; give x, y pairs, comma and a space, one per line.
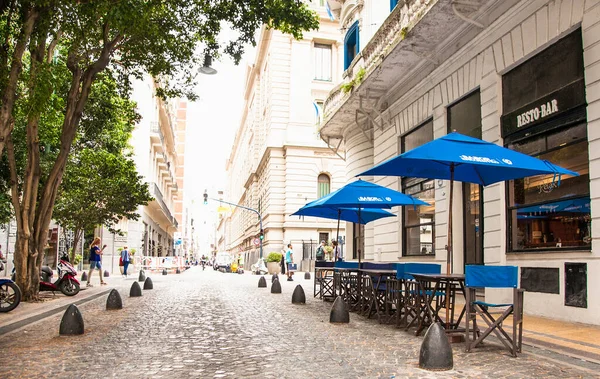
158, 204
156, 136
416, 38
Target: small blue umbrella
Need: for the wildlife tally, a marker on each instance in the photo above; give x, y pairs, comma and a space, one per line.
360, 194
345, 214
465, 159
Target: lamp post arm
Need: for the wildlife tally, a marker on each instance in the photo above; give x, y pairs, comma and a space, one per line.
248, 209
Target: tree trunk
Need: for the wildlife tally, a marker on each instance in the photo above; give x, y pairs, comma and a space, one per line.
77, 233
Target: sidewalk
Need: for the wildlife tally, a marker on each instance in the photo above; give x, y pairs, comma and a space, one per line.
28, 312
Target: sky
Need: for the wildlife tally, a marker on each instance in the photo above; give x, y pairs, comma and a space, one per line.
212, 122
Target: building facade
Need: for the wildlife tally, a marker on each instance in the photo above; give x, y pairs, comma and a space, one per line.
521, 74
159, 148
278, 162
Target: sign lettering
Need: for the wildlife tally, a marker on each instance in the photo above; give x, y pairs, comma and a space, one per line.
536, 113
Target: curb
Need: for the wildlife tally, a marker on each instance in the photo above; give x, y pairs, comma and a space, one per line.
26, 321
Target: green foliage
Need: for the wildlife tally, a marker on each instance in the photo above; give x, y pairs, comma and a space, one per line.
78, 258
274, 257
404, 32
358, 78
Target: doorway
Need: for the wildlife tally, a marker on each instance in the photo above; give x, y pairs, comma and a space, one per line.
473, 223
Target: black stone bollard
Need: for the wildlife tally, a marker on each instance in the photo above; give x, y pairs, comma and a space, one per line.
142, 276
298, 297
276, 287
339, 312
436, 352
307, 275
72, 322
164, 271
114, 300
106, 274
148, 284
178, 271
262, 283
84, 277
274, 278
135, 290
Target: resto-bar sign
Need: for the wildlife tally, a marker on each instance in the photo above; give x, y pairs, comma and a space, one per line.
537, 113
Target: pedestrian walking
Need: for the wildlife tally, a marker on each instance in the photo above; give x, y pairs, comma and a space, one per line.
95, 261
289, 260
337, 251
125, 258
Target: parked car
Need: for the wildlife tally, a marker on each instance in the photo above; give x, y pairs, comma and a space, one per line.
223, 261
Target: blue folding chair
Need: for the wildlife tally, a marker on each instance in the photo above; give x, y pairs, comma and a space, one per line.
414, 302
494, 277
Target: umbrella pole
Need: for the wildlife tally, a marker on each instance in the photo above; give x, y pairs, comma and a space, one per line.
338, 228
449, 248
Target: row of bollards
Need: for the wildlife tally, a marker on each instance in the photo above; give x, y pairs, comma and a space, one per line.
72, 320
435, 353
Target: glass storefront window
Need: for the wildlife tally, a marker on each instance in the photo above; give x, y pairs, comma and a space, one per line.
542, 213
418, 223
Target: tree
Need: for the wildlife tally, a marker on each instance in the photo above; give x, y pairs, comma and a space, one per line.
99, 188
81, 39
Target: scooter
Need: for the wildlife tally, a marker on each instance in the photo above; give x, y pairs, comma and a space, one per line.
66, 283
10, 295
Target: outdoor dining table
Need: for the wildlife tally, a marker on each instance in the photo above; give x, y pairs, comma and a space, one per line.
371, 299
431, 286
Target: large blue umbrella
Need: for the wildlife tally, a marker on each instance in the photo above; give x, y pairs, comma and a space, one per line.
360, 194
466, 159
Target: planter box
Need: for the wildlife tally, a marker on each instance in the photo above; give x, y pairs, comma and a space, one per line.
274, 268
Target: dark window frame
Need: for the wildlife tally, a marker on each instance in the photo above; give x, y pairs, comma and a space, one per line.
416, 182
511, 208
352, 39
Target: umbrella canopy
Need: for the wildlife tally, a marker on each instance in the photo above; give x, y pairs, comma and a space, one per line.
361, 194
345, 214
469, 159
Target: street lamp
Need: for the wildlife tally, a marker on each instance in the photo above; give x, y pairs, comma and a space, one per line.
206, 69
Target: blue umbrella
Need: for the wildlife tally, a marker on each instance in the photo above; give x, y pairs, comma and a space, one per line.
465, 159
345, 214
360, 194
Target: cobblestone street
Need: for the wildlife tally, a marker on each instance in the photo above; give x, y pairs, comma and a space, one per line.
209, 324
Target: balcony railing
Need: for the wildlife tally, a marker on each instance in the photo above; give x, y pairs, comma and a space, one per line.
394, 30
155, 129
157, 193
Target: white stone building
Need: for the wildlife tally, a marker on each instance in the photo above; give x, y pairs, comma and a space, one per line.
278, 162
159, 148
522, 74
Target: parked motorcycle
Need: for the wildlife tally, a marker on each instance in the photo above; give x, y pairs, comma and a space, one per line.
66, 283
10, 295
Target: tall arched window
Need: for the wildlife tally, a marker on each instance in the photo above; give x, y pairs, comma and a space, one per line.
324, 185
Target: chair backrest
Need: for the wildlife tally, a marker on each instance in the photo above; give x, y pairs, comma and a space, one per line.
419, 268
324, 264
491, 276
344, 264
377, 266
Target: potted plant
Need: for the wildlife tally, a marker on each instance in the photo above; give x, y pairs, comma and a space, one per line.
273, 263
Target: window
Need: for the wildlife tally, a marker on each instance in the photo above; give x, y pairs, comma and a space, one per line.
359, 243
318, 105
324, 186
542, 214
419, 222
351, 45
393, 4
322, 62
